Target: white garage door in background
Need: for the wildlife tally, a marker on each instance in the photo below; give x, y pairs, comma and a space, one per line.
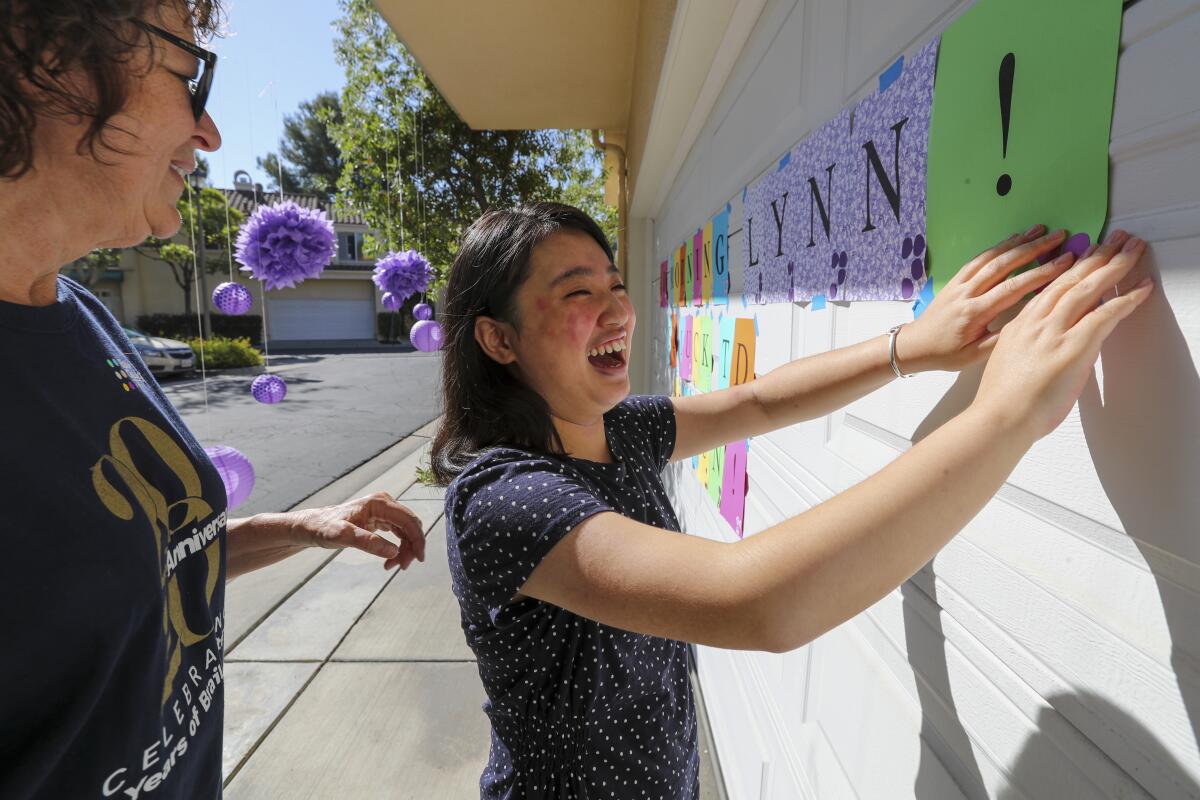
322, 310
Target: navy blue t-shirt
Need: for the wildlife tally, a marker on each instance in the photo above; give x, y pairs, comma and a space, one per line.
112, 584
577, 709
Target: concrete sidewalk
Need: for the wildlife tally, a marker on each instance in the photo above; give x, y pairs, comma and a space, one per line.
346, 681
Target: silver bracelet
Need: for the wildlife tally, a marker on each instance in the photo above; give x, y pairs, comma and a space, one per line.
892, 351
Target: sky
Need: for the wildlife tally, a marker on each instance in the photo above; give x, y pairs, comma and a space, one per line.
276, 54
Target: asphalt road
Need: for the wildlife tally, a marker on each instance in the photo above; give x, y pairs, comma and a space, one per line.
340, 411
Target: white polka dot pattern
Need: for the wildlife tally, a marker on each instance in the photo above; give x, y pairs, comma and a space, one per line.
578, 709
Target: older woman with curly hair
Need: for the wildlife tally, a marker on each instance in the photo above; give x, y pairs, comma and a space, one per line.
115, 533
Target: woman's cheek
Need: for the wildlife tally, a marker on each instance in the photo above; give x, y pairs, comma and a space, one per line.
577, 327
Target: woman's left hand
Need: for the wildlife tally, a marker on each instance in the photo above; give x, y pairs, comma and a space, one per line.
356, 524
953, 332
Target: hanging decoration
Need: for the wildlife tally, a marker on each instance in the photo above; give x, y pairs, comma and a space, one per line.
268, 389
426, 335
232, 298
236, 471
423, 311
400, 276
284, 244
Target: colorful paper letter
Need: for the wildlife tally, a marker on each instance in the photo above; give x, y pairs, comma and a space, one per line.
685, 355
704, 362
885, 233
689, 272
733, 486
681, 280
720, 253
706, 294
824, 201
742, 368
995, 164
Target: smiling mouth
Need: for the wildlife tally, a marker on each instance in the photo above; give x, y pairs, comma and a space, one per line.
610, 356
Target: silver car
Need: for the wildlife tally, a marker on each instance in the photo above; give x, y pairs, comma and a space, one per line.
162, 356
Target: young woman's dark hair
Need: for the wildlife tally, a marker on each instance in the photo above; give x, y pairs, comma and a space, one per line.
485, 402
47, 46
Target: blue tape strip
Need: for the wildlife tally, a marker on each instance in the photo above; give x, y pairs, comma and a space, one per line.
923, 299
889, 75
783, 162
818, 302
729, 206
756, 329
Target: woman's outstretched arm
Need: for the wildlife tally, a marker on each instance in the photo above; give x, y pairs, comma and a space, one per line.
951, 334
785, 586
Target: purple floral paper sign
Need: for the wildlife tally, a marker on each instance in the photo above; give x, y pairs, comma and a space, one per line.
754, 240
821, 194
884, 233
768, 216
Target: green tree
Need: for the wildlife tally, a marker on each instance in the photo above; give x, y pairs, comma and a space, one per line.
91, 268
418, 173
312, 162
221, 227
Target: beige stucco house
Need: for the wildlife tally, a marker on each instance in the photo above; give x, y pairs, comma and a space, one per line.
340, 305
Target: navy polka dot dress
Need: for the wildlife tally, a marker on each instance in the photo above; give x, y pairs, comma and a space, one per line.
578, 709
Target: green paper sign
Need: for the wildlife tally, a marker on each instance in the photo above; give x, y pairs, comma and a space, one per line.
1022, 108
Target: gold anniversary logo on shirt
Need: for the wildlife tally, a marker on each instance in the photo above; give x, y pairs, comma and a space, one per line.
127, 494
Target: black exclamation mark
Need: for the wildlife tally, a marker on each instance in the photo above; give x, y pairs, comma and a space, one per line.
1008, 66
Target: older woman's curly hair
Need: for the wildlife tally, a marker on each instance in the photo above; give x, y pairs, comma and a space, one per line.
70, 58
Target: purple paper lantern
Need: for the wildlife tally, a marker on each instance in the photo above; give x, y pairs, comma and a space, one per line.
269, 389
423, 311
232, 298
283, 244
426, 336
401, 275
236, 471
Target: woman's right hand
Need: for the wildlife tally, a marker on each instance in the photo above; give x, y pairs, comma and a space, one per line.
1045, 355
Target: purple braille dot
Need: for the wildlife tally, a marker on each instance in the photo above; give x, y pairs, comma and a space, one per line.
906, 288
918, 245
906, 248
1078, 244
918, 269
834, 265
268, 389
844, 259
232, 298
833, 287
841, 276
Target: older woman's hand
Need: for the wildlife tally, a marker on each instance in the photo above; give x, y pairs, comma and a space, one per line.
357, 523
953, 332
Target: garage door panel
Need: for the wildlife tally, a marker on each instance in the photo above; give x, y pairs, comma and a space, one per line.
303, 319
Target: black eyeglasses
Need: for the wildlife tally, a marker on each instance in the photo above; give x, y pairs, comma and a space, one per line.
199, 85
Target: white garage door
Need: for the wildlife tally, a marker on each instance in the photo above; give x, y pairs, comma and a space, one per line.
1052, 650
303, 318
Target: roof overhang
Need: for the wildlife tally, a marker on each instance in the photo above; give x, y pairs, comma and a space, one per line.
647, 72
524, 64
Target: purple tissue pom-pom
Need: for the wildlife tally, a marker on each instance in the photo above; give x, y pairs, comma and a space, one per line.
400, 276
284, 244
